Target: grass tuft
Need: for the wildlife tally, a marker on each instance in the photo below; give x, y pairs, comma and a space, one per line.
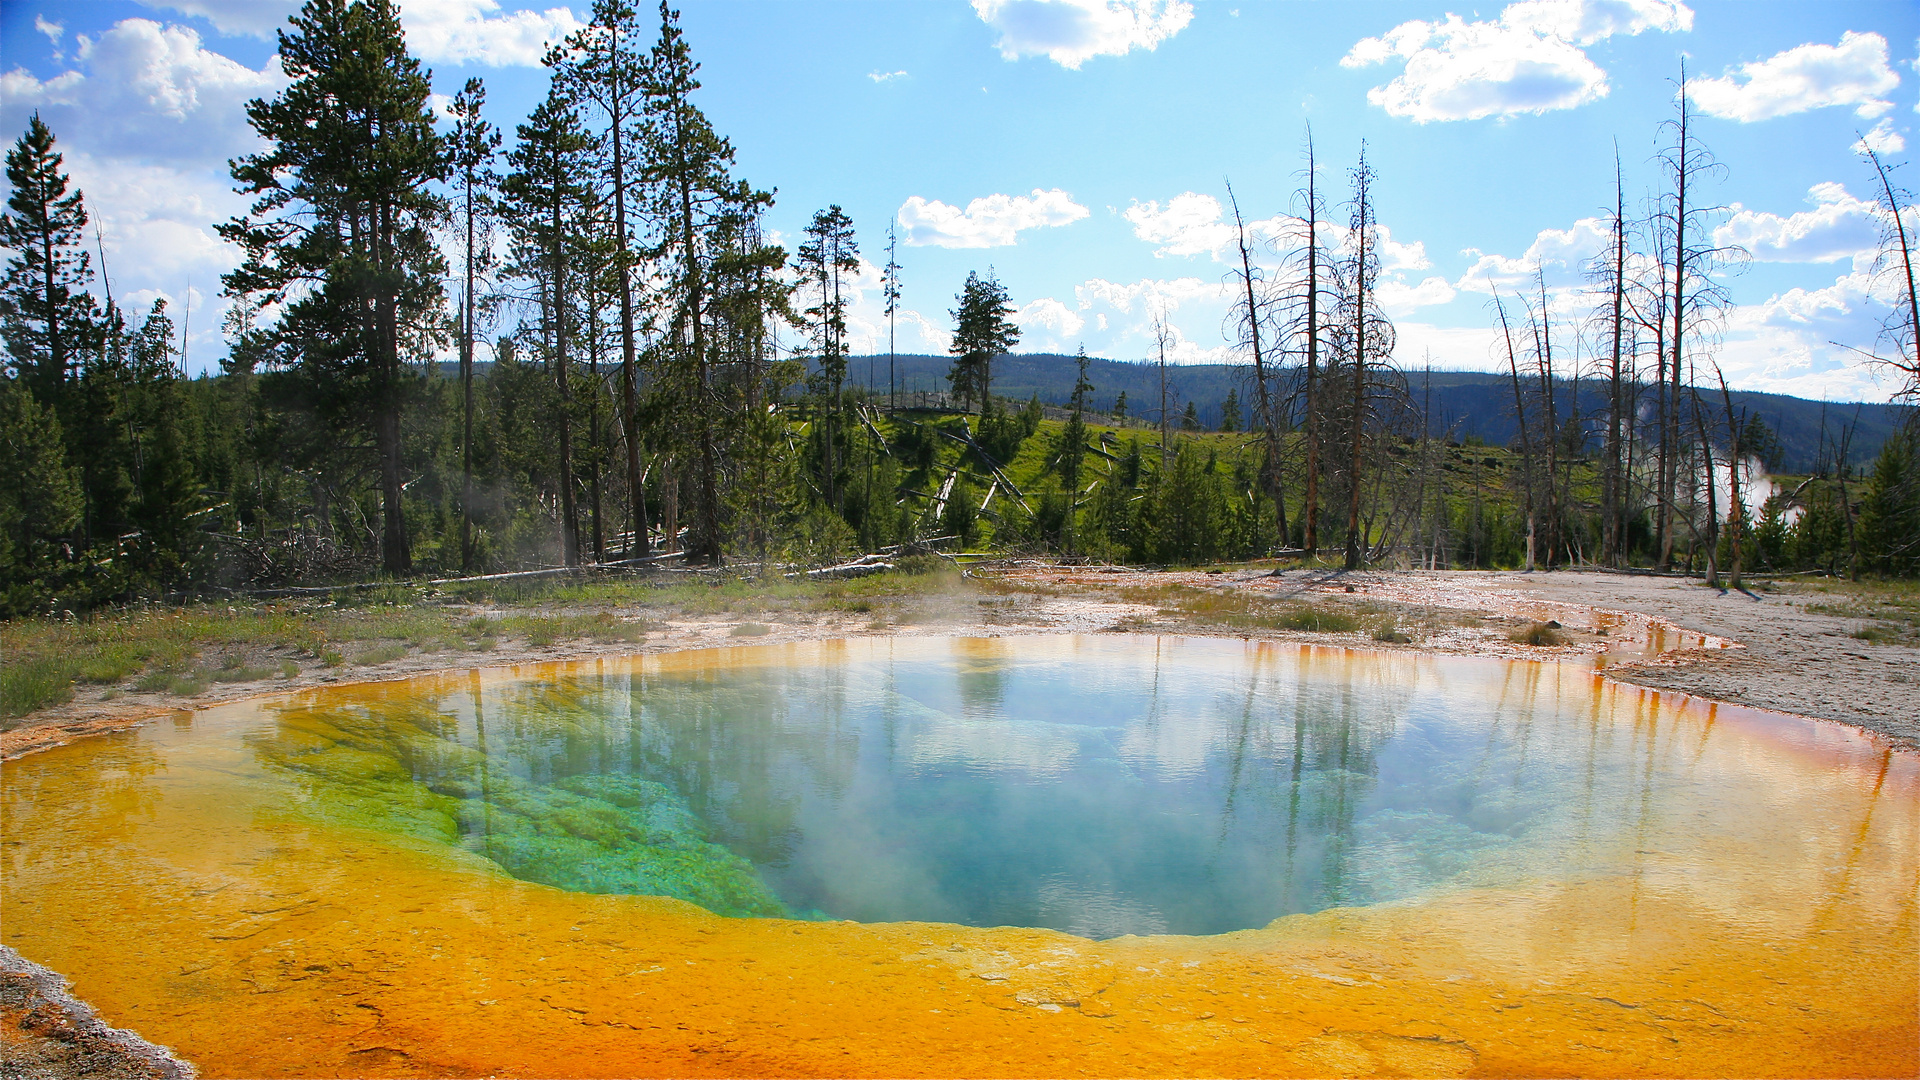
1539, 634
26, 685
385, 652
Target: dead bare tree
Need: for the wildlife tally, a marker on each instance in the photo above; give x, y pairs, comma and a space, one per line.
1249, 316
1526, 441
1697, 299
1608, 273
1162, 337
1309, 282
1896, 257
1369, 336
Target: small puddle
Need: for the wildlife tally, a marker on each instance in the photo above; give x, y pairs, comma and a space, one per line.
893, 852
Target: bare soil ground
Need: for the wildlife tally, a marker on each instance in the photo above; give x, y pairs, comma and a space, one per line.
1772, 648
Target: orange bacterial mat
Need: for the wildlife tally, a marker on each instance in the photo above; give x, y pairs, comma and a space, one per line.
1736, 896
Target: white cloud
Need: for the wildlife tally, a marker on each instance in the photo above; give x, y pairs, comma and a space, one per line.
1399, 298
1882, 140
1193, 224
1596, 20
1562, 253
992, 221
53, 30
1145, 296
1069, 32
469, 32
886, 76
1047, 324
1812, 76
438, 31
1839, 226
1784, 345
155, 221
146, 91
1528, 61
235, 18
1190, 224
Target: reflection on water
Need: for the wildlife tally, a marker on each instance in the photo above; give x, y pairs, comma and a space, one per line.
1098, 786
1590, 879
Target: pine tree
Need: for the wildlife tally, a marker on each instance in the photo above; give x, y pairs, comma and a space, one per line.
167, 483
982, 332
546, 204
688, 166
1073, 450
39, 502
473, 143
46, 313
601, 64
823, 262
340, 230
1230, 411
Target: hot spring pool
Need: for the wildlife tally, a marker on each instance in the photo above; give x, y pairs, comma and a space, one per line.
460, 873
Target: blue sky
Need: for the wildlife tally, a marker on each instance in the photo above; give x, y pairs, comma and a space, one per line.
1082, 147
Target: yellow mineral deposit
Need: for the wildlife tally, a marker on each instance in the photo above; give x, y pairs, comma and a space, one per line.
1761, 923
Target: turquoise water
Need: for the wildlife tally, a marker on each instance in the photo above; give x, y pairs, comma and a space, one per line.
1100, 785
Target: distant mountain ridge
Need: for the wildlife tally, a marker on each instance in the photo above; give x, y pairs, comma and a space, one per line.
1469, 403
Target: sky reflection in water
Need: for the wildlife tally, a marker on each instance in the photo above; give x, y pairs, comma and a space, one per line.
1101, 786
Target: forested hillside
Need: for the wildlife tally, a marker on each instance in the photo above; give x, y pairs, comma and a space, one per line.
565, 340
1458, 404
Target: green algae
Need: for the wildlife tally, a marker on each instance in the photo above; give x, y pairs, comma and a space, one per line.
398, 767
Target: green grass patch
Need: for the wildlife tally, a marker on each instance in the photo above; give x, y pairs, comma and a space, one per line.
30, 684
750, 629
383, 653
1316, 619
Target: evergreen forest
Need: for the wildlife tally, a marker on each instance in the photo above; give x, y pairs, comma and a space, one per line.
641, 378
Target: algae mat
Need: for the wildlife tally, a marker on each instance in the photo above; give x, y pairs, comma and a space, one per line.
1493, 868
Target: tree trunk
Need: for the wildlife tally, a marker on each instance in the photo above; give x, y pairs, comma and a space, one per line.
1270, 421
629, 390
569, 516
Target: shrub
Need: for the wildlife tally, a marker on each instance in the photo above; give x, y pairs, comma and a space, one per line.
1539, 634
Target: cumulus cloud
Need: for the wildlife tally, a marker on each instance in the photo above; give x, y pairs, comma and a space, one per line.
991, 221
471, 32
886, 76
1146, 296
1194, 224
145, 90
1839, 226
1784, 345
147, 120
234, 18
1048, 324
1813, 76
1563, 254
438, 31
1190, 224
1882, 140
1069, 32
1399, 298
1530, 60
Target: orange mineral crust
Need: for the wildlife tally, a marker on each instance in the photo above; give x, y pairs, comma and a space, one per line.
1761, 922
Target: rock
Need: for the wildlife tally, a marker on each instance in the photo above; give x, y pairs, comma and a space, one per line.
48, 1034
